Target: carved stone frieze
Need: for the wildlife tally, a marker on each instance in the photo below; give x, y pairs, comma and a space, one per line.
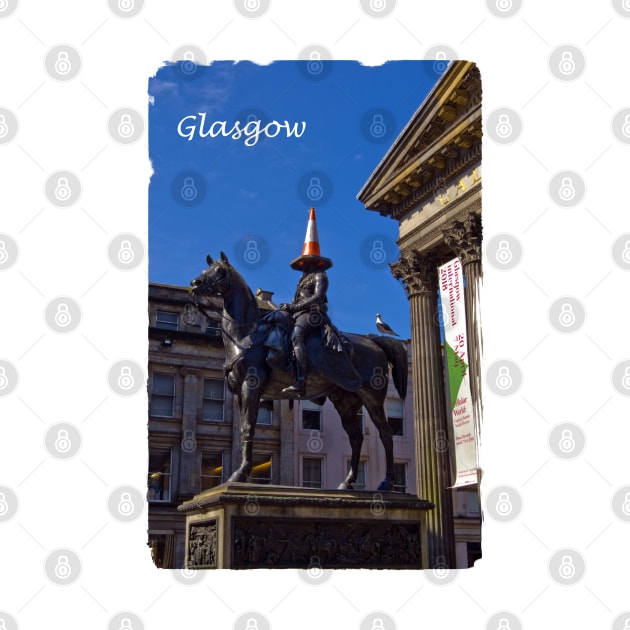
273, 542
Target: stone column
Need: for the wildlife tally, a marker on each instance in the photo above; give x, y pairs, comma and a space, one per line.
463, 236
419, 276
189, 458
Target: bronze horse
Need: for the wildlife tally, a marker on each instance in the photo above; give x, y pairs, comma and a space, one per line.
250, 378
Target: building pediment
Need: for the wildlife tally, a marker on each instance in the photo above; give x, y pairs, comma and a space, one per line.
442, 140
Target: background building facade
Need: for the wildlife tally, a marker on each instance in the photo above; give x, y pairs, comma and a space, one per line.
194, 434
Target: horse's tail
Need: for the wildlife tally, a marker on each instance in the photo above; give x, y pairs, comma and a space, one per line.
396, 354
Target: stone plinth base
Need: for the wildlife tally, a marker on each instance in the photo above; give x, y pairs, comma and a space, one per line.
247, 526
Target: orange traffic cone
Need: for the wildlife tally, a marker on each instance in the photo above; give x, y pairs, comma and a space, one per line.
311, 255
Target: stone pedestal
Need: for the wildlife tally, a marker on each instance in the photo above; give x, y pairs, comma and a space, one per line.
246, 526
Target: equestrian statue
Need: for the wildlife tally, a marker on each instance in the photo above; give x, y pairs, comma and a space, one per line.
296, 352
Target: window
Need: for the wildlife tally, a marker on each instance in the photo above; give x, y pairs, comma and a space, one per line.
470, 503
311, 472
211, 470
163, 395
213, 399
166, 320
265, 413
394, 409
159, 479
400, 477
311, 416
213, 328
261, 469
360, 483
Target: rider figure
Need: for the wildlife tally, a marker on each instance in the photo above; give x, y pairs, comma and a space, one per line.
309, 305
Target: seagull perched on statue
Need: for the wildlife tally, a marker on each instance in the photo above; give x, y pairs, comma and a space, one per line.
381, 326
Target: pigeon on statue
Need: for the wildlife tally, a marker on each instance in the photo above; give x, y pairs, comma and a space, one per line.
384, 328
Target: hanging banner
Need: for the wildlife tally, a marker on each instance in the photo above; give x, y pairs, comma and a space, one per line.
456, 356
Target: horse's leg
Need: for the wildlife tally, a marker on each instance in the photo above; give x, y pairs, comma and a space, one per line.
348, 406
249, 401
377, 413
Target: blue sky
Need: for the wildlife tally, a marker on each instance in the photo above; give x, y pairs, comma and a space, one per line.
210, 194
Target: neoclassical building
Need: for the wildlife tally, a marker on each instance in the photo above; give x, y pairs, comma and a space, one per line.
429, 181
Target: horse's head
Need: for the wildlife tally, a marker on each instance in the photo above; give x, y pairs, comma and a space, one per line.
215, 280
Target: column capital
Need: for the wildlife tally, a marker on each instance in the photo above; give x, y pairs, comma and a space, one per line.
417, 271
463, 236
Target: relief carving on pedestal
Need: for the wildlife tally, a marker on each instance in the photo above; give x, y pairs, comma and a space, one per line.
202, 545
293, 544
